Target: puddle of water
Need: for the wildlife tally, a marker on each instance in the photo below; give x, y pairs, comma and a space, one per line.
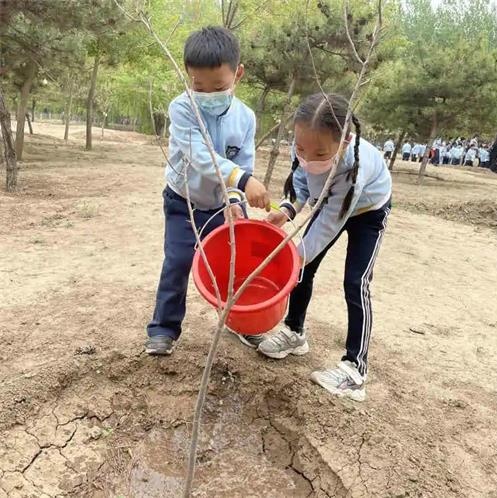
231, 459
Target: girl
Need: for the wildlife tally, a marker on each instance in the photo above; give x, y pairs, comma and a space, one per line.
358, 203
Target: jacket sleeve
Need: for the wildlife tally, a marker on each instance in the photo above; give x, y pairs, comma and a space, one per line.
301, 189
327, 224
187, 136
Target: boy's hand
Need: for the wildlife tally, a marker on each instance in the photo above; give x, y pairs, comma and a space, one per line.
278, 218
236, 212
257, 195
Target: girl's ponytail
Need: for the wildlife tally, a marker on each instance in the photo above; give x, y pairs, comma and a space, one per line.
288, 188
355, 170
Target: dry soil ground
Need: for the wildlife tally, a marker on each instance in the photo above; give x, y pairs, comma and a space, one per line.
83, 412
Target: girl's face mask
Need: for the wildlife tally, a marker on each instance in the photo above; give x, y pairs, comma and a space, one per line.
316, 167
323, 166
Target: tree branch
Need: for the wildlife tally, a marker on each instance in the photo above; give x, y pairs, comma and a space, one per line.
346, 21
316, 76
248, 16
271, 131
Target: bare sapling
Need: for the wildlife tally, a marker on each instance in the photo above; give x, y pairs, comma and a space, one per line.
223, 309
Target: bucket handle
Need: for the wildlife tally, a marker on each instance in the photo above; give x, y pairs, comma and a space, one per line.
277, 208
241, 203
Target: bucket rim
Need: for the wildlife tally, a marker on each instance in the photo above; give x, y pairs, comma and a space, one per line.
281, 294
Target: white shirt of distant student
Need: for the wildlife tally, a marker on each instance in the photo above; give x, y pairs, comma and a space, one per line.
406, 148
471, 154
484, 155
389, 146
456, 152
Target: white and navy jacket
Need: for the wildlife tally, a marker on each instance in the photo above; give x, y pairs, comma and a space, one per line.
372, 191
232, 135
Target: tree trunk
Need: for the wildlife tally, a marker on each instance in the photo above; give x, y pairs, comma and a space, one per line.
104, 119
89, 102
151, 108
398, 145
33, 104
67, 112
9, 149
276, 147
28, 119
22, 108
259, 110
426, 156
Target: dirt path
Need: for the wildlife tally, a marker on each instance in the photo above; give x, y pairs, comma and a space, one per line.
85, 413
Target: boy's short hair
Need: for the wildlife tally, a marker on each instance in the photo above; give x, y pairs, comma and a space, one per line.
211, 47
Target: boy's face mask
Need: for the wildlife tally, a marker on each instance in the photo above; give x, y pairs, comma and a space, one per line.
214, 103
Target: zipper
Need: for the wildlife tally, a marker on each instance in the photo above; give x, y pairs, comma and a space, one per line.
218, 134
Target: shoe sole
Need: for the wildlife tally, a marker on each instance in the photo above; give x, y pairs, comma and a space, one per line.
358, 395
156, 352
298, 351
242, 339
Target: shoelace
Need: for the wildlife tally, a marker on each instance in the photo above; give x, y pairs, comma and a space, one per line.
281, 338
337, 375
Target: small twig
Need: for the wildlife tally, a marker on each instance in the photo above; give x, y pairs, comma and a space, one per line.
158, 138
416, 331
248, 16
271, 131
316, 76
175, 27
346, 21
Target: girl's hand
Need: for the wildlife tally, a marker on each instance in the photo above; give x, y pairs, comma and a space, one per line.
236, 212
278, 218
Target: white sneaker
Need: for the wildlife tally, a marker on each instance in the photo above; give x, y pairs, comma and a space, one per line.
283, 343
344, 381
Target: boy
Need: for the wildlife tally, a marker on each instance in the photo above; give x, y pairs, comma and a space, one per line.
212, 61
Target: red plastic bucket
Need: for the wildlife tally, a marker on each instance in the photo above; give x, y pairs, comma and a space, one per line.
263, 303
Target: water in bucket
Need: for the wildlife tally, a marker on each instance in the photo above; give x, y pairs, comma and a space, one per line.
261, 289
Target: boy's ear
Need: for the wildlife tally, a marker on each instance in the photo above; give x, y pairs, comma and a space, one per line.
239, 72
